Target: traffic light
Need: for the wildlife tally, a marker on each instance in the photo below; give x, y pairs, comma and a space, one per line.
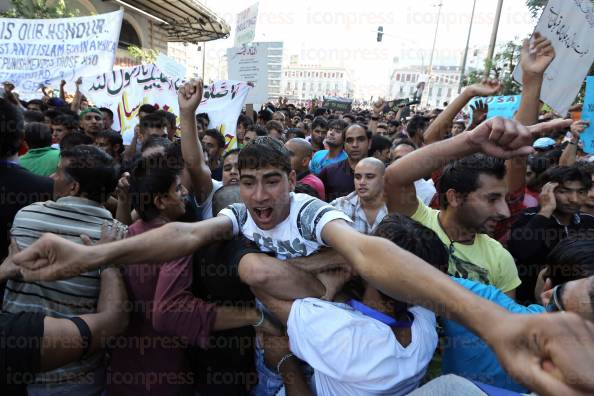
380, 33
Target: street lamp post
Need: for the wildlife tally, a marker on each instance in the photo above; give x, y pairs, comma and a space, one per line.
465, 57
430, 68
493, 37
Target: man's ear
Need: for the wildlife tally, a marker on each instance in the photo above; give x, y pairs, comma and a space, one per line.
74, 189
158, 202
547, 292
292, 180
453, 198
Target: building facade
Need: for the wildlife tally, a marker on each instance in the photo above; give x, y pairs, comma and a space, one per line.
301, 82
441, 86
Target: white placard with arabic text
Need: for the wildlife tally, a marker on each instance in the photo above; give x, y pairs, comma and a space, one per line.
569, 24
250, 63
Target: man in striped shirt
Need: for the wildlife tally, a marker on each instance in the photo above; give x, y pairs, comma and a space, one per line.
85, 178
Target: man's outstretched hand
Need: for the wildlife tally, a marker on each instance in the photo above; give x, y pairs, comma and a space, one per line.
503, 138
52, 258
552, 354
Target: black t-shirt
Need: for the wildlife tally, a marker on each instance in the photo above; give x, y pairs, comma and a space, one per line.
20, 350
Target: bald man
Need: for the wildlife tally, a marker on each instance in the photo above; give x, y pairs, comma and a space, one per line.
301, 153
366, 205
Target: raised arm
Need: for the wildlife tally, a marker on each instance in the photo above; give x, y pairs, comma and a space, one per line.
537, 54
52, 257
569, 154
439, 128
530, 347
189, 98
75, 105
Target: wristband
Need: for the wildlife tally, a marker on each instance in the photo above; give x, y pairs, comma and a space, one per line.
260, 321
283, 359
85, 334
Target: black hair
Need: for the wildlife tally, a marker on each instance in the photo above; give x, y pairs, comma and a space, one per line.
113, 138
216, 135
151, 176
106, 110
147, 108
340, 125
155, 141
234, 151
277, 125
66, 120
296, 132
245, 121
569, 260
320, 111
74, 139
463, 175
320, 122
38, 102
11, 129
262, 152
562, 174
379, 143
51, 114
265, 115
204, 119
38, 135
416, 125
152, 120
395, 123
93, 169
259, 129
33, 116
416, 239
302, 188
168, 118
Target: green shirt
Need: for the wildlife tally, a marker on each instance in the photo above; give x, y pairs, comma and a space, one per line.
484, 261
41, 161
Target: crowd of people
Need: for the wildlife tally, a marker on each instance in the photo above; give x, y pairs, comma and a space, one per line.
366, 252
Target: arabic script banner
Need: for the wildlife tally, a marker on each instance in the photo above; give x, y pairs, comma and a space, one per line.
569, 24
36, 52
124, 91
223, 101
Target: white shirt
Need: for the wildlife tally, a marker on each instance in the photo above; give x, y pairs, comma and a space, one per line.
205, 207
351, 206
300, 234
425, 190
353, 354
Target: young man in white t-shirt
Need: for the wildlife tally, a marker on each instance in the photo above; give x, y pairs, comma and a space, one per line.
538, 350
353, 348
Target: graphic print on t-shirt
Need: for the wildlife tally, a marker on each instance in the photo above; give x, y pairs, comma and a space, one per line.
466, 270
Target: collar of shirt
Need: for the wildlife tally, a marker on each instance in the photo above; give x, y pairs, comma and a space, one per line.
70, 200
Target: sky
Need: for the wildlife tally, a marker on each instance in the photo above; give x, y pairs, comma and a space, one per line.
343, 33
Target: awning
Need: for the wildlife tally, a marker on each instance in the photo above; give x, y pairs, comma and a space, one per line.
184, 20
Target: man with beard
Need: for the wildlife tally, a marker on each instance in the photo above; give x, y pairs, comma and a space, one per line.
539, 229
91, 121
319, 128
472, 193
335, 152
339, 178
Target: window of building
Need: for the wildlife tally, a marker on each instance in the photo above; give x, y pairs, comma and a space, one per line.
439, 92
408, 77
397, 76
449, 92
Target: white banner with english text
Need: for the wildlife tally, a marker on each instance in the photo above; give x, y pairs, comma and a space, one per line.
42, 52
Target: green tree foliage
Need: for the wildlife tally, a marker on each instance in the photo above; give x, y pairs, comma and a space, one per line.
143, 55
39, 9
502, 67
